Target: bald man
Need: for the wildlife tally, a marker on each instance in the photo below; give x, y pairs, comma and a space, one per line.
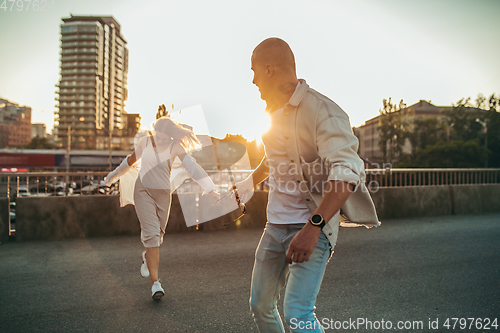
310, 136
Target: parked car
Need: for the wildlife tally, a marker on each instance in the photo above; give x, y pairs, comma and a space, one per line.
12, 218
12, 211
23, 191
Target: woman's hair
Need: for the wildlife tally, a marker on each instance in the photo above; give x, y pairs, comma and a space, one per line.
178, 132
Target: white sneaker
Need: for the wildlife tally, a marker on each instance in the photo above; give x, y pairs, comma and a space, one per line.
144, 266
157, 290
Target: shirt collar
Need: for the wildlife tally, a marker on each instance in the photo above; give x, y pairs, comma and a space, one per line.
299, 93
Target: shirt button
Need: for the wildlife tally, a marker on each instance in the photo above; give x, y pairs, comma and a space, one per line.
292, 161
287, 113
286, 137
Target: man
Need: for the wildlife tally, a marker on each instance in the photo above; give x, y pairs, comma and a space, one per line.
308, 131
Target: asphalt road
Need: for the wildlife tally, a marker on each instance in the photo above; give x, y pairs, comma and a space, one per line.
411, 270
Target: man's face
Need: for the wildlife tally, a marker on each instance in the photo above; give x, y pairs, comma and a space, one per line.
261, 78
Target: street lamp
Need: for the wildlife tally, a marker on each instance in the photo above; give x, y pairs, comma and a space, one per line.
485, 137
68, 153
69, 143
110, 133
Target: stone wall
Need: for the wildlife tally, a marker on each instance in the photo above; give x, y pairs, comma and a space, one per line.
4, 219
55, 218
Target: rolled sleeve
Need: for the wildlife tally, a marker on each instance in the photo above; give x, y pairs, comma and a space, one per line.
337, 146
343, 174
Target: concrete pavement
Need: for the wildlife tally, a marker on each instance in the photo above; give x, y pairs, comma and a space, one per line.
406, 270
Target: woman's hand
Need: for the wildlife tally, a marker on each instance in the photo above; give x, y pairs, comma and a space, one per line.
122, 169
214, 194
111, 178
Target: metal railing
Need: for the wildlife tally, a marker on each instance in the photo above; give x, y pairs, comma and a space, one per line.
432, 177
92, 182
41, 184
45, 184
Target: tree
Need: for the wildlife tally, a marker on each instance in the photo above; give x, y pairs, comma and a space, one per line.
461, 141
463, 120
39, 143
492, 121
468, 125
425, 131
455, 154
162, 111
255, 150
481, 101
392, 130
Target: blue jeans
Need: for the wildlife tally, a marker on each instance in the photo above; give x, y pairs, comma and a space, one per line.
304, 280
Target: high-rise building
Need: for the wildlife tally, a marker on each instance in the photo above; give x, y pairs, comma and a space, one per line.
93, 83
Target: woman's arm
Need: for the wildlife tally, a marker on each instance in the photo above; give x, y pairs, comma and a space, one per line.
125, 165
137, 153
194, 170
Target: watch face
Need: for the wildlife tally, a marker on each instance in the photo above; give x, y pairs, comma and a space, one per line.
316, 219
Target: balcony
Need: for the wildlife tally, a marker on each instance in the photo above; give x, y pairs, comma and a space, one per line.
79, 51
79, 37
76, 78
76, 98
66, 107
73, 134
78, 71
75, 113
79, 65
73, 127
79, 44
76, 91
74, 58
76, 85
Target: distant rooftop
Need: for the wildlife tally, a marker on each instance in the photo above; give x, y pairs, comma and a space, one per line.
422, 107
90, 18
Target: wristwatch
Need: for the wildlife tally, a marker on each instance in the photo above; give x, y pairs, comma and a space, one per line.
317, 221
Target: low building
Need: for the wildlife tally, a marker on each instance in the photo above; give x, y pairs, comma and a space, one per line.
121, 139
39, 130
15, 123
369, 133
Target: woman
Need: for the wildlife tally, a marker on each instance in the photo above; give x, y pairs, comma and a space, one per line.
152, 192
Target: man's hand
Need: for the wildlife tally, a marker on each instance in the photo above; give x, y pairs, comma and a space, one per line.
303, 244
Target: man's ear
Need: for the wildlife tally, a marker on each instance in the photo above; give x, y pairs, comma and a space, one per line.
269, 70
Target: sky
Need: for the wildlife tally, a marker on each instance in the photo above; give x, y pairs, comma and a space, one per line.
197, 52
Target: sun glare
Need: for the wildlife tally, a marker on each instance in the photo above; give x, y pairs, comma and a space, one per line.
266, 125
258, 126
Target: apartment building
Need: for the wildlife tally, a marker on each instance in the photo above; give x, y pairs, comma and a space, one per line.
93, 84
368, 133
15, 124
39, 130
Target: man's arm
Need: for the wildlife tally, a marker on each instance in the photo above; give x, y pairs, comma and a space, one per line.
305, 241
261, 172
256, 177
